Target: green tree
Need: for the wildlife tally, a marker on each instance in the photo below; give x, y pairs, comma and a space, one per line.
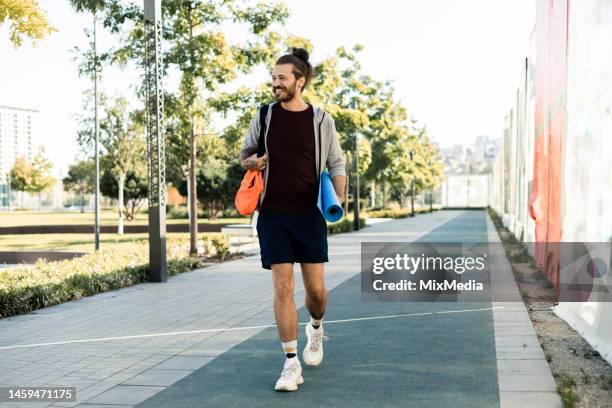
42, 179
122, 138
26, 20
433, 169
80, 180
196, 45
135, 189
21, 175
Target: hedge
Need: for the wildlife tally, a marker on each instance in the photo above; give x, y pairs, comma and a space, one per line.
401, 213
344, 225
27, 288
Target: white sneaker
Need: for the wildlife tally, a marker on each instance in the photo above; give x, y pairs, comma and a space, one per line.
313, 352
291, 376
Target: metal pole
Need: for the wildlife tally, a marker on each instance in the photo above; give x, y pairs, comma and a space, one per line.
412, 183
96, 131
158, 268
467, 204
430, 190
193, 193
356, 225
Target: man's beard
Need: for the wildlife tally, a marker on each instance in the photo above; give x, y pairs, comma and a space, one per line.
286, 95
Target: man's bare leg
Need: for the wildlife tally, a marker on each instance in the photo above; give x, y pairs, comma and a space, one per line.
284, 303
316, 293
316, 301
286, 323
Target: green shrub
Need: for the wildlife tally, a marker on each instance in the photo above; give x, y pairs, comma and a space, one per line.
28, 288
177, 212
389, 213
221, 245
396, 213
344, 225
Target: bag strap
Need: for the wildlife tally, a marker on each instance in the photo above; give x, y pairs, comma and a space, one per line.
320, 158
261, 144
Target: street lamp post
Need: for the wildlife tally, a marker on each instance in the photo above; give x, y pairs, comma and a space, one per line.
429, 163
356, 225
158, 269
96, 154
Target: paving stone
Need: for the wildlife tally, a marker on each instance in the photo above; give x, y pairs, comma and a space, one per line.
529, 399
535, 366
184, 363
517, 341
158, 377
125, 394
526, 382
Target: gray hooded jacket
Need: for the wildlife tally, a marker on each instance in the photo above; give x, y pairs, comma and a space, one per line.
329, 152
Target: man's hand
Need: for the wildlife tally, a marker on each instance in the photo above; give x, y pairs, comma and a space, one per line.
255, 163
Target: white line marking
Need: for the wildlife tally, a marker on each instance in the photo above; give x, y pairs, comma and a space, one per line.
140, 336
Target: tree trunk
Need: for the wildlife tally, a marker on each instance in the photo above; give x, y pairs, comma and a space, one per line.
193, 195
121, 182
384, 194
373, 194
412, 197
186, 174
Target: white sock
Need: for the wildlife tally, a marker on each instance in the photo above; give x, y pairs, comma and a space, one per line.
316, 322
290, 348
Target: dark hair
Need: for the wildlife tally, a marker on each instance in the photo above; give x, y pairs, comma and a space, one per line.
301, 66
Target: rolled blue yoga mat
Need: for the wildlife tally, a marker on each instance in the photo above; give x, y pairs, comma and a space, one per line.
328, 201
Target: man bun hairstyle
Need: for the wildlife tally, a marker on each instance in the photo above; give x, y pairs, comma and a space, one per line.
301, 66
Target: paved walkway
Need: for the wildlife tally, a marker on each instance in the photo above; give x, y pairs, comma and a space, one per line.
166, 344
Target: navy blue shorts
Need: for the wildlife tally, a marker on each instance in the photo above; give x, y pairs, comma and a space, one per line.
289, 238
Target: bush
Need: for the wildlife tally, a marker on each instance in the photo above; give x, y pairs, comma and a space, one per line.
389, 213
179, 212
220, 243
214, 244
400, 213
344, 225
176, 212
28, 288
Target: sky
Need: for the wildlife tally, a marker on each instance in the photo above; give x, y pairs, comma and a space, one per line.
455, 65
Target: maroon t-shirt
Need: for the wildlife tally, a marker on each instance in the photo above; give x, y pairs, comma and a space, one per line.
292, 179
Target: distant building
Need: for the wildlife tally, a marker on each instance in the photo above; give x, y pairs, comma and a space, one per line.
17, 127
471, 158
467, 168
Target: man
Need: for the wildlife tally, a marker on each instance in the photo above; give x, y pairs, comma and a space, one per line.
300, 141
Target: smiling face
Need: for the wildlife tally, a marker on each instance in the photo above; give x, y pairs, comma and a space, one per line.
285, 86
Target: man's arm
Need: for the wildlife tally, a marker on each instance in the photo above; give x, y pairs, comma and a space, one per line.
254, 163
339, 183
335, 162
249, 146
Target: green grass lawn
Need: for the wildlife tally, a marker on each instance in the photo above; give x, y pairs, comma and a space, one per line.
79, 242
107, 217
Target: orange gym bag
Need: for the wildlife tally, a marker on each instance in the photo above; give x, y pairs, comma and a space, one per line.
247, 197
